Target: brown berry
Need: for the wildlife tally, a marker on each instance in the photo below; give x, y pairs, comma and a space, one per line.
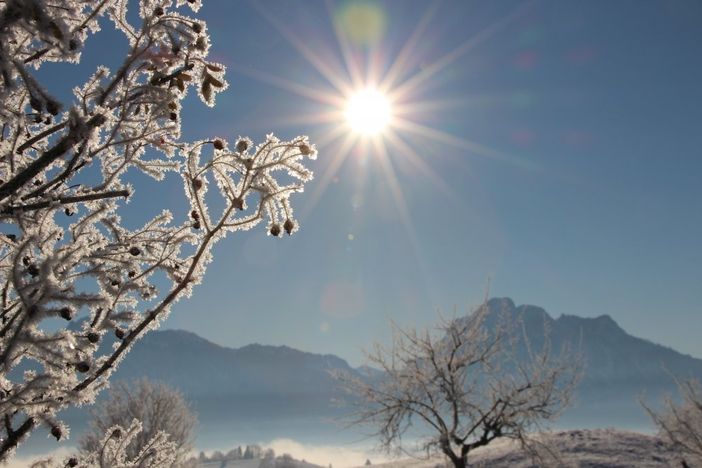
119, 333
36, 104
197, 184
289, 225
158, 11
72, 462
56, 432
218, 144
131, 273
93, 337
197, 225
197, 27
305, 149
135, 251
242, 145
275, 230
238, 203
195, 215
83, 367
114, 282
173, 116
53, 107
66, 313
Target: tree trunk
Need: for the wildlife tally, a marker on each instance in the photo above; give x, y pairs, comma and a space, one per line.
457, 460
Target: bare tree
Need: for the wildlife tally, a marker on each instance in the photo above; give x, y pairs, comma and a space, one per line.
66, 252
680, 422
158, 407
463, 385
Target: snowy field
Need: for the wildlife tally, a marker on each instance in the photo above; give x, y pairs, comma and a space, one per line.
598, 448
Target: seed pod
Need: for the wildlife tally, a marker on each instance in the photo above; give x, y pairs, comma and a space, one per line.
173, 116
197, 184
238, 203
305, 150
56, 432
135, 251
53, 107
289, 225
36, 104
242, 145
33, 270
83, 367
275, 230
72, 462
218, 144
66, 313
119, 333
197, 225
196, 27
158, 11
131, 273
93, 337
116, 434
195, 215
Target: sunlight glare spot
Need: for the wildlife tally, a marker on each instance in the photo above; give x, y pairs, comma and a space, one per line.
368, 112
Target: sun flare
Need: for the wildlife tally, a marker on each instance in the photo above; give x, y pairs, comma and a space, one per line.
368, 112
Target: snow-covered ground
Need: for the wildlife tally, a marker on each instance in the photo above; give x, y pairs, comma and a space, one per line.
598, 448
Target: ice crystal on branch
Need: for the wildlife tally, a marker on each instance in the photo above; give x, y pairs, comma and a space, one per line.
65, 252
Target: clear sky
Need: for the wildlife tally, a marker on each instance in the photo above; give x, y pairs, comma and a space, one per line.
552, 146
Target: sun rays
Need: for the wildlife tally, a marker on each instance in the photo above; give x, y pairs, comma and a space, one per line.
373, 105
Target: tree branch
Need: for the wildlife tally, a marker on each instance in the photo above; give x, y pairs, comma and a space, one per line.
66, 200
59, 149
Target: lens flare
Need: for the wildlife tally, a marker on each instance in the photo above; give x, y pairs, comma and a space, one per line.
368, 112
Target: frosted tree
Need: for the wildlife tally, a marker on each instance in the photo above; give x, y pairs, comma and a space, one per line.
158, 407
66, 253
463, 386
680, 422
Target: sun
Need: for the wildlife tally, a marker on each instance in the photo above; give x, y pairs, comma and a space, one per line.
368, 112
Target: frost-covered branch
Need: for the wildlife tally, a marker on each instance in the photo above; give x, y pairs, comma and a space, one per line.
66, 254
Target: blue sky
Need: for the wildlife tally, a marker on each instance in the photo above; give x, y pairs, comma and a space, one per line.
558, 154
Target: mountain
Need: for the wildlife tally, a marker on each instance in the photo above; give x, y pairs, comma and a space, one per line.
618, 368
259, 382
611, 355
200, 368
